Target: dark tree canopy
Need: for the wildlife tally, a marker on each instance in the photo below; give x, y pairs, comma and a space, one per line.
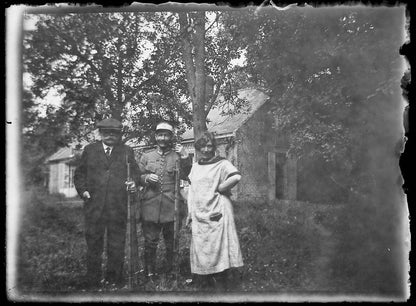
333, 75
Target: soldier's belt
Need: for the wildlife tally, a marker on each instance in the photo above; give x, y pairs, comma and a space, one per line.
164, 187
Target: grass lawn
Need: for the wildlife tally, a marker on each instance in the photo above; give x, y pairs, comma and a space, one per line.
289, 249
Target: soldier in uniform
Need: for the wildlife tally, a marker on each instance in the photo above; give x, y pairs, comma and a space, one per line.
157, 205
100, 180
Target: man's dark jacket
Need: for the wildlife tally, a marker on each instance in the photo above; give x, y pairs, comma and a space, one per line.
104, 178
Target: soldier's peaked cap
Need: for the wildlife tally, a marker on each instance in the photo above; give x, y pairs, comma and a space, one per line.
164, 126
109, 124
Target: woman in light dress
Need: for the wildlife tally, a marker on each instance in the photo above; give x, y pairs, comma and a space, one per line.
214, 244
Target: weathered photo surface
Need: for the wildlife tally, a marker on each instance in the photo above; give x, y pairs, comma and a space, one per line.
309, 120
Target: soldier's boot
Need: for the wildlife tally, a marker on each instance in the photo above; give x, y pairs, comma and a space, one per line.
169, 258
149, 261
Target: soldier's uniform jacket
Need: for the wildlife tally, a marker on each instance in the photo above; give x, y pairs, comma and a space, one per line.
158, 200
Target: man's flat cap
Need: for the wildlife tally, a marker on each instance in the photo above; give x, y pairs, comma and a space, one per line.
109, 124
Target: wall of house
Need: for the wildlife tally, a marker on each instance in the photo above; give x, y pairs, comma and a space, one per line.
61, 179
258, 153
54, 178
252, 143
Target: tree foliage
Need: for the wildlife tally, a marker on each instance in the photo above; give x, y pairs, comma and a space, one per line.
333, 75
207, 54
135, 66
42, 135
104, 64
138, 67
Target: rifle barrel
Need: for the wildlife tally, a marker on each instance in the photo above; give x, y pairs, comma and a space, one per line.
131, 234
176, 215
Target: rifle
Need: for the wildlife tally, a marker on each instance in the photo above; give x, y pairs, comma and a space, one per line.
131, 239
176, 218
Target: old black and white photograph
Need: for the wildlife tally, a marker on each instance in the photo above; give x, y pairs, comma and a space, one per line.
206, 153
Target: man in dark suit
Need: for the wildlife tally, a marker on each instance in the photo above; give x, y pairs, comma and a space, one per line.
100, 180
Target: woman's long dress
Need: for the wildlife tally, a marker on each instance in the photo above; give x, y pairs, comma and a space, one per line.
214, 244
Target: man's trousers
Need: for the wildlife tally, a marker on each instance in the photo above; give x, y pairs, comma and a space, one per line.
151, 233
116, 235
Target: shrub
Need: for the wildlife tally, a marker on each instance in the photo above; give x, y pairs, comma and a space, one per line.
276, 245
50, 243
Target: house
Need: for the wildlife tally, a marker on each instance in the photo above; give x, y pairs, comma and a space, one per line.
61, 172
258, 150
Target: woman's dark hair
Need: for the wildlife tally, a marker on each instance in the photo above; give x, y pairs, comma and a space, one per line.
204, 139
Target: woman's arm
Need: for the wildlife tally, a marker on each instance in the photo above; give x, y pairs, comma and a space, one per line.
189, 204
229, 183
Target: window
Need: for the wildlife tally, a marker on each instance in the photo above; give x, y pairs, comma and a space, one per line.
69, 176
280, 175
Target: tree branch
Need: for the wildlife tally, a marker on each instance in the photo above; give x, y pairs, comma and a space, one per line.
104, 80
216, 20
213, 98
119, 75
136, 91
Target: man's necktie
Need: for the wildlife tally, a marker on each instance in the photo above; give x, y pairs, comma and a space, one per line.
108, 152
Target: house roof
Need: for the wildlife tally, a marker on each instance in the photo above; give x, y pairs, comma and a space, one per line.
222, 124
63, 153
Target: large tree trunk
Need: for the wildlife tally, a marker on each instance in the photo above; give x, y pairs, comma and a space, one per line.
195, 66
199, 118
